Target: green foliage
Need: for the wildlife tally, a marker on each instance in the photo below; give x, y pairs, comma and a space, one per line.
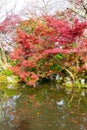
13, 62
58, 56
56, 67
3, 78
8, 76
7, 72
43, 60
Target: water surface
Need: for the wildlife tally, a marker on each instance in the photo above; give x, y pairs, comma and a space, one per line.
46, 107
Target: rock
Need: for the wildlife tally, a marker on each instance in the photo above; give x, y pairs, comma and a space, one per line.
82, 81
60, 103
10, 79
57, 77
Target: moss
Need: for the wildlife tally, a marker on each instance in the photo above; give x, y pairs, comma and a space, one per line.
3, 79
8, 79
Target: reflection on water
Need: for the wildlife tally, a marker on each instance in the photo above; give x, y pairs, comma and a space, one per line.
41, 108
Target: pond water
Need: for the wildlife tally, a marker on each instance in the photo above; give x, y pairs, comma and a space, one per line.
46, 107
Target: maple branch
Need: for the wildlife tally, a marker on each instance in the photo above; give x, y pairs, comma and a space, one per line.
84, 6
81, 14
71, 75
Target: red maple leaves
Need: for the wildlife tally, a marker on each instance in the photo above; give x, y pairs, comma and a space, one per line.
36, 50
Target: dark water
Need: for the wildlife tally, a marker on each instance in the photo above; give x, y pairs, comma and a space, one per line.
46, 107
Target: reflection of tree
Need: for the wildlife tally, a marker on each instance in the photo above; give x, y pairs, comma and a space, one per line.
8, 111
15, 112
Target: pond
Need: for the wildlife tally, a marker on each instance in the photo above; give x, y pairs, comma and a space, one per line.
46, 107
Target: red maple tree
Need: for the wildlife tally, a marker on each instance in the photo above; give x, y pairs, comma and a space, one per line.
49, 46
